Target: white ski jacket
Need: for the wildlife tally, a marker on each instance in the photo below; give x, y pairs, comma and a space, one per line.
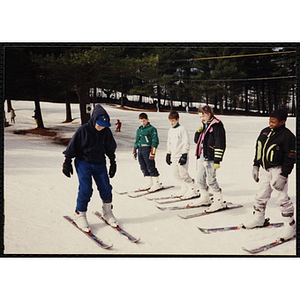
178, 142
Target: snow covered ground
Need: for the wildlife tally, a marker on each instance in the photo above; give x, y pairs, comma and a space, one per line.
38, 195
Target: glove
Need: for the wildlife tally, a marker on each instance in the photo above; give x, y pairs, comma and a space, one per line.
255, 171
216, 166
168, 158
134, 153
67, 168
280, 183
112, 169
200, 129
183, 159
152, 153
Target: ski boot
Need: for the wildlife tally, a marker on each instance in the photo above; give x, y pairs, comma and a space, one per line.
147, 184
156, 184
191, 192
258, 219
180, 193
204, 199
81, 221
289, 228
217, 202
108, 215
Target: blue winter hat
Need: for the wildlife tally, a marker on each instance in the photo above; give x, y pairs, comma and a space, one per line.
103, 121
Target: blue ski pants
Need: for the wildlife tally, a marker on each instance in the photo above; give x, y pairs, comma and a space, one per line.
86, 172
147, 165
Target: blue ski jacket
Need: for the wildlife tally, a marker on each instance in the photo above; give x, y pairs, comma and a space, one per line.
90, 145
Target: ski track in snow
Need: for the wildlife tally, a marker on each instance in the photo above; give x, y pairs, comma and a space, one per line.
38, 195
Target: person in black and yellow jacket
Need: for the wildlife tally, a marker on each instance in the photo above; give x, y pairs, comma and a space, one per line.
274, 160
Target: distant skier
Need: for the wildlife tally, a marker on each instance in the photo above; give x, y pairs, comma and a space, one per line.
211, 143
119, 124
276, 154
12, 116
35, 117
178, 147
146, 143
89, 145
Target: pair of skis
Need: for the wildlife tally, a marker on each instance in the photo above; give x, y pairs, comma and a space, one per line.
229, 205
259, 249
96, 239
139, 193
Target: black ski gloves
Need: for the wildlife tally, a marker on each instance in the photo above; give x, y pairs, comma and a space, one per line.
112, 168
183, 159
67, 167
168, 159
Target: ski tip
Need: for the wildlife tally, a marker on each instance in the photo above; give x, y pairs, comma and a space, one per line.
121, 193
254, 251
182, 217
161, 208
247, 250
136, 240
203, 230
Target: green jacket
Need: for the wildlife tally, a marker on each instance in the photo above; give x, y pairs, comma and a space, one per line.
146, 136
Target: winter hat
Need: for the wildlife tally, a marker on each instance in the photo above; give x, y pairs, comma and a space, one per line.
103, 121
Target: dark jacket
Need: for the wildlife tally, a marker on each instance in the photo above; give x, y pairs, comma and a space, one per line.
89, 144
211, 140
276, 147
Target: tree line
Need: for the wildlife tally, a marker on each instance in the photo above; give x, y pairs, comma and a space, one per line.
232, 79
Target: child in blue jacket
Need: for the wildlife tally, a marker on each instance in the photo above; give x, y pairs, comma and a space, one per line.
90, 145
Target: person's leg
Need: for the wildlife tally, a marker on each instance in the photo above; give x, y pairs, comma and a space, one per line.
143, 156
261, 199
84, 193
286, 207
101, 178
103, 185
85, 190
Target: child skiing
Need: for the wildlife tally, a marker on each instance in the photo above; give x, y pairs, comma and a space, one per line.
146, 142
178, 147
276, 155
119, 124
89, 145
211, 143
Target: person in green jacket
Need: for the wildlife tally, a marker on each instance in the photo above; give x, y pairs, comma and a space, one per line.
146, 143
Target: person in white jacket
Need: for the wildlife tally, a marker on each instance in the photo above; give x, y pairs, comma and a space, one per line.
178, 147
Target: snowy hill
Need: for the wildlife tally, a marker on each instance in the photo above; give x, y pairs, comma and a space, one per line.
38, 195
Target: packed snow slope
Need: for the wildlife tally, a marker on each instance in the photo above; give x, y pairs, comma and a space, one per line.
38, 195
